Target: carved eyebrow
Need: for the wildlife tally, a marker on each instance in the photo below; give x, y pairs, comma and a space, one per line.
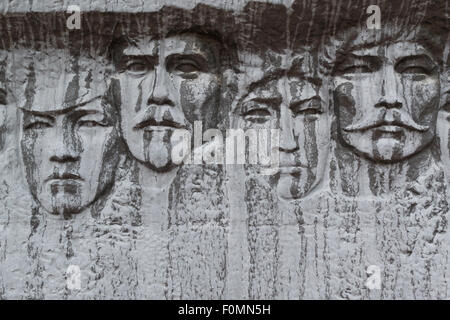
351, 58
269, 76
148, 58
362, 57
62, 111
424, 58
46, 115
84, 112
134, 50
271, 101
188, 54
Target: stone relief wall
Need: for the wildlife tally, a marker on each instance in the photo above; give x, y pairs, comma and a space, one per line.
116, 175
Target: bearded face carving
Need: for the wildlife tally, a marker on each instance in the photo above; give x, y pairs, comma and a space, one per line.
387, 100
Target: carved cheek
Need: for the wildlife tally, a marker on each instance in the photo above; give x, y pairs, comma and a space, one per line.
345, 103
36, 156
28, 142
424, 100
198, 97
93, 143
131, 94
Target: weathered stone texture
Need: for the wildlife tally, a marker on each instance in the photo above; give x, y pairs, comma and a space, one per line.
90, 185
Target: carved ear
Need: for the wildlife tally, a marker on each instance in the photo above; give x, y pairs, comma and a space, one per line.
2, 96
445, 98
446, 101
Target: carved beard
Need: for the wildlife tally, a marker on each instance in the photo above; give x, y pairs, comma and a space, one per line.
66, 198
298, 185
158, 150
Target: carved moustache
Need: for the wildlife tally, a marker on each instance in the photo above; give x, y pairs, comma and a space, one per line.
399, 119
148, 120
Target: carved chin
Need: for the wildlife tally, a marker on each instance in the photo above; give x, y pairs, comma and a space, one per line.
158, 156
65, 204
388, 150
159, 164
296, 186
155, 151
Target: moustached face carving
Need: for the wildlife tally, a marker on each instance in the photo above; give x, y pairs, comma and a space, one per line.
167, 84
387, 99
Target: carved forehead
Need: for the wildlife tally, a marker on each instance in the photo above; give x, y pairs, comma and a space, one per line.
260, 72
94, 106
269, 62
407, 40
53, 79
395, 50
174, 44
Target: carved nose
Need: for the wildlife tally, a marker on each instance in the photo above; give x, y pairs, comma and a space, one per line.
160, 94
64, 158
389, 95
159, 100
389, 105
287, 137
63, 151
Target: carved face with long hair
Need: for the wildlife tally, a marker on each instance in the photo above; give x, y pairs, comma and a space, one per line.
288, 95
69, 133
386, 94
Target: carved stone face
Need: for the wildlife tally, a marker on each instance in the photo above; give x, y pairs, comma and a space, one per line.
292, 100
70, 155
387, 100
167, 84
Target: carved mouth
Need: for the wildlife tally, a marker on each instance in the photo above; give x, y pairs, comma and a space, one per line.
291, 169
389, 128
153, 125
64, 178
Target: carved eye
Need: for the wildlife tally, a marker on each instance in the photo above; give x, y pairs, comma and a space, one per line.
91, 124
256, 112
416, 66
354, 64
38, 125
257, 115
355, 69
311, 106
310, 111
137, 67
415, 70
187, 67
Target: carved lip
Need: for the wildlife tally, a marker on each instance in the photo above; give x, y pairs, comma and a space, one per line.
152, 124
389, 128
289, 169
64, 177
